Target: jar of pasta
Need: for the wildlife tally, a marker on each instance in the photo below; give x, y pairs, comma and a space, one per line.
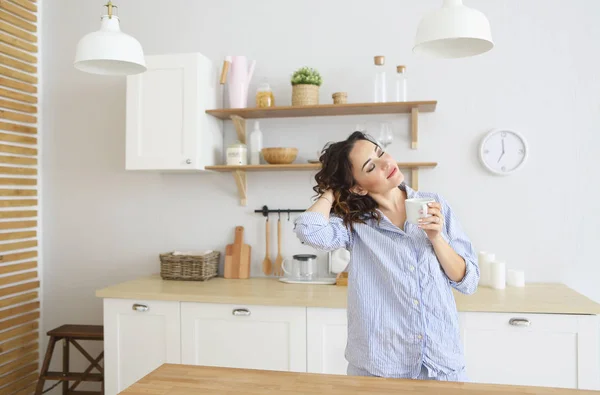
264, 96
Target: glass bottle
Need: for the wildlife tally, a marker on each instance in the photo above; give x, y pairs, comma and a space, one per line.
264, 96
379, 84
256, 142
401, 83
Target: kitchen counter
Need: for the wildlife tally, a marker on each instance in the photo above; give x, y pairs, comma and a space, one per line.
197, 380
533, 298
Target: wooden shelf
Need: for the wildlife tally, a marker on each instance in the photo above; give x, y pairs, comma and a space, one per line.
304, 166
239, 172
239, 115
324, 110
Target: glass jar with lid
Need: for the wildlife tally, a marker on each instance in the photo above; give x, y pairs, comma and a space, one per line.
237, 154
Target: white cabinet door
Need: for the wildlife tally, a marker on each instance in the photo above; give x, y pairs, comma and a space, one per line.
532, 349
253, 337
139, 336
327, 331
167, 127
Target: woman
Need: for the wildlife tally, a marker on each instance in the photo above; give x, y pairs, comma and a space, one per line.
402, 318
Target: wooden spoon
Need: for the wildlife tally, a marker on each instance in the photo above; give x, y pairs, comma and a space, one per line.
267, 265
279, 260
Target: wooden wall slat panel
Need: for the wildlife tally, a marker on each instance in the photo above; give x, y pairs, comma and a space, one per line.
17, 224
15, 149
21, 245
17, 202
19, 267
23, 384
17, 64
17, 75
14, 365
16, 214
14, 311
13, 9
18, 160
21, 86
16, 300
18, 181
15, 53
19, 155
17, 138
17, 32
17, 278
13, 105
22, 319
15, 289
20, 352
11, 127
13, 20
28, 5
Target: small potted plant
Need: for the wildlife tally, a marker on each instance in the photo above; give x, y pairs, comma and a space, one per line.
305, 87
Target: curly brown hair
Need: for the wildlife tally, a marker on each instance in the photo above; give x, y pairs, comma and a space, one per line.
336, 174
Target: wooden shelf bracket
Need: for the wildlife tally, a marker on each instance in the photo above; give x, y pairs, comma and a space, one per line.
414, 178
242, 185
414, 128
240, 127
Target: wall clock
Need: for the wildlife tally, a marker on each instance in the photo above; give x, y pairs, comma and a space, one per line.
503, 151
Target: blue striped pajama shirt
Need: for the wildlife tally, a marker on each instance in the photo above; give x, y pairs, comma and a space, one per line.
402, 317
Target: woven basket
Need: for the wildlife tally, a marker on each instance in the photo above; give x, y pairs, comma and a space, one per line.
189, 267
340, 98
305, 95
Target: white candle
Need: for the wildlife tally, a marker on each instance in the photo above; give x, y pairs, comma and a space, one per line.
498, 275
485, 259
515, 278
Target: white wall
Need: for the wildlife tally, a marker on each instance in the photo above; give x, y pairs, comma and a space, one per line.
103, 225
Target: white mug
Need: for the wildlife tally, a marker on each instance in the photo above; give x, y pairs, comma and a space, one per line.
413, 208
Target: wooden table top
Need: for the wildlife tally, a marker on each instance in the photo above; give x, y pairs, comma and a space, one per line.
170, 379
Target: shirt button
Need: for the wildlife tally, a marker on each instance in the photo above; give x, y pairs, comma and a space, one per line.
412, 268
420, 337
416, 302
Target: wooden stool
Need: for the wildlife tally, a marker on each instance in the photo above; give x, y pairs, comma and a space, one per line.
71, 333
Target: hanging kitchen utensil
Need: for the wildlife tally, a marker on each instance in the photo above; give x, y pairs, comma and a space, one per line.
279, 261
267, 264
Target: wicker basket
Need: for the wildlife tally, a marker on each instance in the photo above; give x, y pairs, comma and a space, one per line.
189, 267
305, 95
340, 98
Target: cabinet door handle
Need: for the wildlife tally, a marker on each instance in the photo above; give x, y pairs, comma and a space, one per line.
241, 312
140, 307
188, 161
519, 322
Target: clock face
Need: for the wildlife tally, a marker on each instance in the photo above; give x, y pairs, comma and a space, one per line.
503, 151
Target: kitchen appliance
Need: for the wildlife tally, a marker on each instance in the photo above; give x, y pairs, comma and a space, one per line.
302, 269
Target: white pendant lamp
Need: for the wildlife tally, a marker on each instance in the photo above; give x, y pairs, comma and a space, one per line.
453, 31
109, 51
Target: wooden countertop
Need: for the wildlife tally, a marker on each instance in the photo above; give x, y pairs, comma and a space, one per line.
533, 298
198, 380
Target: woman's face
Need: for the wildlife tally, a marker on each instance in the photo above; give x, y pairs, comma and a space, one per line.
375, 171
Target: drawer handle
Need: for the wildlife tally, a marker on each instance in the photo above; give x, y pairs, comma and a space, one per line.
241, 312
140, 307
519, 322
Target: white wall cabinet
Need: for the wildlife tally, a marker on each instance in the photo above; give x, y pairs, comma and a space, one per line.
555, 350
327, 332
139, 336
167, 127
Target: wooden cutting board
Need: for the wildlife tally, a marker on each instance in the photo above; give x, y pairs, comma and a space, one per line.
237, 257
